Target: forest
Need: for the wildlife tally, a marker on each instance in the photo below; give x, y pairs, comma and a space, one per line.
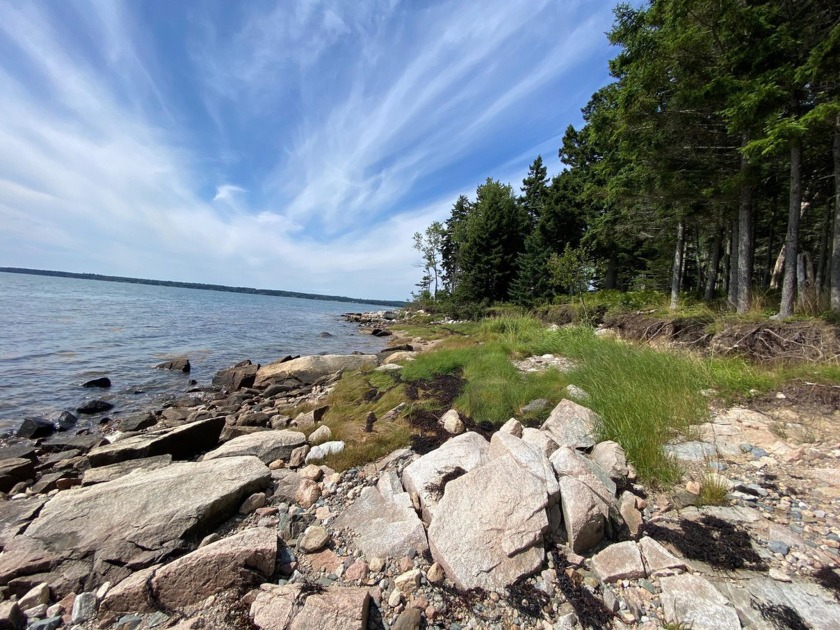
708, 167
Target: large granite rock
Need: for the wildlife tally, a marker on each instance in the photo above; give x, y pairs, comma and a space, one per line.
571, 424
266, 445
529, 457
242, 560
585, 514
692, 602
567, 462
132, 522
310, 369
291, 607
14, 515
181, 443
610, 457
487, 531
237, 377
114, 471
428, 476
802, 603
541, 439
383, 521
621, 561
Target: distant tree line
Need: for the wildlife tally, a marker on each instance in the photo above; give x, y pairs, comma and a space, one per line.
710, 164
198, 285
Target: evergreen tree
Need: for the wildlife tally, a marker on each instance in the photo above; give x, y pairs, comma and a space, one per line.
494, 237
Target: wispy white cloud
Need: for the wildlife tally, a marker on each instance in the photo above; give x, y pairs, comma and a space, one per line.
345, 127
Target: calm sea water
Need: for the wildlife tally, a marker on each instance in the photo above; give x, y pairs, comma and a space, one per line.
56, 333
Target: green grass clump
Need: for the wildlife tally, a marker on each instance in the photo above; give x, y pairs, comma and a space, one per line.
348, 411
493, 390
713, 491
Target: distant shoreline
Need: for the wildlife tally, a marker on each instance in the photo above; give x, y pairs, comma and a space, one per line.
196, 285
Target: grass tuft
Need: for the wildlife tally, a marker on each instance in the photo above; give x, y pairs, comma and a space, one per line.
713, 490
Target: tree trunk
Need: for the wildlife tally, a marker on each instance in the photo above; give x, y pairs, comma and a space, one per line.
714, 266
733, 263
792, 237
610, 281
835, 249
677, 270
822, 254
745, 243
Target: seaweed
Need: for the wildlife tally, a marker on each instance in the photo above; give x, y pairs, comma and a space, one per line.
710, 540
590, 610
781, 616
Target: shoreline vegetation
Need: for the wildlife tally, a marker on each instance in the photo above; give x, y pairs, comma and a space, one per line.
202, 286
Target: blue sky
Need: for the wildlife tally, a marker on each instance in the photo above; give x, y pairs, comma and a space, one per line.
290, 145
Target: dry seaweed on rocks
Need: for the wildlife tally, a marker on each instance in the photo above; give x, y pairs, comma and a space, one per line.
590, 610
527, 599
829, 578
710, 540
780, 616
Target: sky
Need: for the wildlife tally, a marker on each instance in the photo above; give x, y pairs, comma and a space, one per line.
293, 145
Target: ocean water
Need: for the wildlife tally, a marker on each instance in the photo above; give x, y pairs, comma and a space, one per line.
56, 333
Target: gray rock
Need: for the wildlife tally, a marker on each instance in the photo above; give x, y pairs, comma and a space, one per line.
585, 514
512, 426
135, 520
84, 607
693, 602
428, 475
383, 521
571, 424
181, 443
658, 560
36, 596
409, 619
34, 428
137, 422
237, 377
11, 616
530, 458
538, 404
621, 561
310, 369
282, 607
286, 484
691, 451
266, 445
46, 624
115, 471
567, 462
611, 458
176, 365
239, 561
315, 537
451, 422
777, 546
488, 529
13, 471
809, 604
631, 516
540, 439
15, 515
576, 393
94, 406
320, 435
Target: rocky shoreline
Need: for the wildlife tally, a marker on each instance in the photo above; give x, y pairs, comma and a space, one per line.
218, 512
